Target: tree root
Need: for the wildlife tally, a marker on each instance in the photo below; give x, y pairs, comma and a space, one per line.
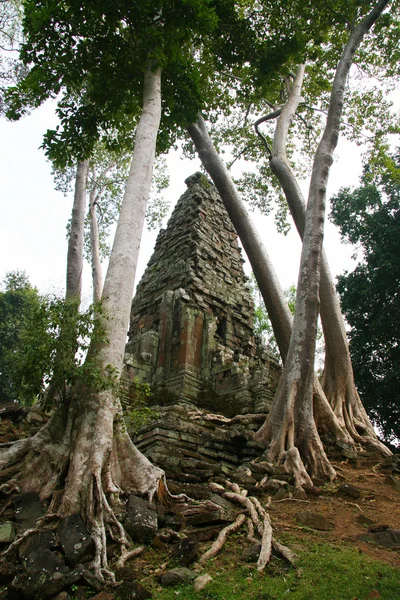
127, 555
258, 522
221, 539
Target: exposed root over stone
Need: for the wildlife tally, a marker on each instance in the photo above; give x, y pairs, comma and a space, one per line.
85, 465
221, 539
259, 527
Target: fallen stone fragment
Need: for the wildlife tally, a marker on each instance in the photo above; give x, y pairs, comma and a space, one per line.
313, 520
351, 491
393, 481
175, 576
364, 520
281, 494
205, 534
103, 596
375, 528
390, 538
62, 596
38, 543
350, 453
201, 582
75, 540
28, 509
251, 553
7, 572
312, 490
141, 520
186, 551
7, 533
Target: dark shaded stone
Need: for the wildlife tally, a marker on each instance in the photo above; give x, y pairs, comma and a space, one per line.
263, 467
191, 331
273, 485
186, 551
251, 553
242, 478
229, 509
392, 462
300, 494
44, 561
390, 538
37, 542
313, 520
351, 491
281, 494
205, 534
28, 509
350, 453
167, 536
62, 596
198, 515
377, 528
393, 481
318, 482
41, 585
130, 590
75, 540
7, 572
141, 519
364, 520
312, 490
176, 576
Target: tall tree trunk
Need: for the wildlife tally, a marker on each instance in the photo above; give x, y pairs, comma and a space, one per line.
263, 269
97, 277
75, 242
290, 428
266, 277
89, 456
338, 381
67, 348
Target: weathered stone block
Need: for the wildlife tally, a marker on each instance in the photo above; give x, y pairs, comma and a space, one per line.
75, 540
141, 519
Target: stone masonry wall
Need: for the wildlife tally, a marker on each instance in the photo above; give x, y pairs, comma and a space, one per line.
191, 332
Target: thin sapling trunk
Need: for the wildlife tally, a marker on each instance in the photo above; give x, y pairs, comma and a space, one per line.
75, 242
97, 276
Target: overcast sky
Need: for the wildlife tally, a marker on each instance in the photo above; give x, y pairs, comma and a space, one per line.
34, 215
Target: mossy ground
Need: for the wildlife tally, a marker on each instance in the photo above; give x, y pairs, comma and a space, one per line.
324, 572
332, 565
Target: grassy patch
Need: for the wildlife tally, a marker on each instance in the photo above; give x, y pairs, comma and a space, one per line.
324, 572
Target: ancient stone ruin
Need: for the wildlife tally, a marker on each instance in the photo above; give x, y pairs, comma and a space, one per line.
191, 334
191, 338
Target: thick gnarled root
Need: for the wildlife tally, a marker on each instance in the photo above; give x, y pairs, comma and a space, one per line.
259, 527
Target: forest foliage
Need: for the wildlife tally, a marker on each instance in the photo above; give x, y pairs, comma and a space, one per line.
369, 218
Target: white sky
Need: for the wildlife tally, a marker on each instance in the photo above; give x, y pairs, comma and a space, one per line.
34, 215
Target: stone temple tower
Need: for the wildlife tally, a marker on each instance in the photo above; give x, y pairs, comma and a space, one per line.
191, 331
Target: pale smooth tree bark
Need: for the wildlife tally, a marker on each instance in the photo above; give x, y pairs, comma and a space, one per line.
90, 452
75, 242
338, 380
275, 301
97, 276
261, 264
290, 430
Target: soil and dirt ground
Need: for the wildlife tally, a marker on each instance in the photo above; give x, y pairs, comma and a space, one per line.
340, 547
